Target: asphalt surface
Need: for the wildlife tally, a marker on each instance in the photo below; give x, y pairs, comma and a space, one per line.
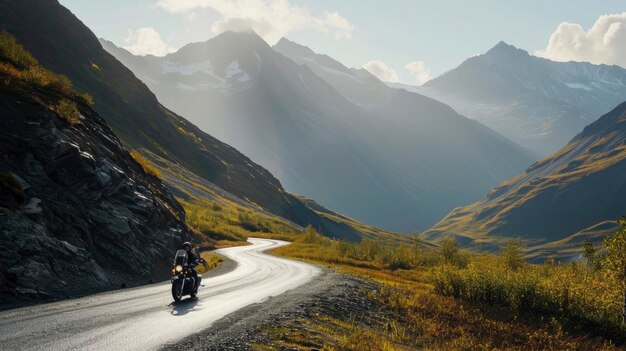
146, 318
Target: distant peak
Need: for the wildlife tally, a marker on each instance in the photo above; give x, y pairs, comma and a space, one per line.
504, 49
291, 48
245, 33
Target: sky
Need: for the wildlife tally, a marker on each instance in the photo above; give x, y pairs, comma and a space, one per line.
407, 41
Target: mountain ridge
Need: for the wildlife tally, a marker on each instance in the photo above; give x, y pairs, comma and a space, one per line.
320, 141
64, 44
538, 103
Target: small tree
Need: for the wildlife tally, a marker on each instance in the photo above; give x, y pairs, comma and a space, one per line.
512, 255
615, 259
449, 249
593, 260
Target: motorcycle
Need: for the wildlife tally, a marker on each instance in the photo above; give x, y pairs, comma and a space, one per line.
183, 282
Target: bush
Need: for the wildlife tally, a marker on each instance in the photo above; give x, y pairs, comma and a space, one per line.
145, 164
572, 293
512, 255
14, 53
312, 237
43, 78
60, 83
37, 76
87, 98
68, 111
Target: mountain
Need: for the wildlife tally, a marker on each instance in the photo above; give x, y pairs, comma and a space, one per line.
393, 159
357, 85
77, 213
571, 195
538, 103
65, 45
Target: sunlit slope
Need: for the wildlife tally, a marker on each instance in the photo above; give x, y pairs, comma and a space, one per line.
573, 191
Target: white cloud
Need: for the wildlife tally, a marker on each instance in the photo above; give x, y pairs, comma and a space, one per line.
605, 42
381, 71
146, 41
271, 19
418, 71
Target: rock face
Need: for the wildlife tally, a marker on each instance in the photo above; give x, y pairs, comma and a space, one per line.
77, 213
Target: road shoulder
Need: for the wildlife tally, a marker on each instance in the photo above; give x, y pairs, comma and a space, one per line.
330, 293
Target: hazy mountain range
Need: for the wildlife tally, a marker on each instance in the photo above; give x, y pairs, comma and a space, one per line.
62, 43
340, 136
537, 103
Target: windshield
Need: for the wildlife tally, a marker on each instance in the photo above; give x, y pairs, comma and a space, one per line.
180, 258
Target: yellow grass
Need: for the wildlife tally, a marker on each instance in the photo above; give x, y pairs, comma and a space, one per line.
212, 261
147, 166
478, 316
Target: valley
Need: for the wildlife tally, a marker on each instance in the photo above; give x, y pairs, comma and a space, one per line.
340, 198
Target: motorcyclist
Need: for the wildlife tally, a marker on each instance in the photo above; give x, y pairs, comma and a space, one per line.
192, 261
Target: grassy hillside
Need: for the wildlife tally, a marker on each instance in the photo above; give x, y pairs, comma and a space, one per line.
567, 194
450, 299
220, 218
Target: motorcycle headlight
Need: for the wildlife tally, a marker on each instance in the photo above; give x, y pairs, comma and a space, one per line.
179, 268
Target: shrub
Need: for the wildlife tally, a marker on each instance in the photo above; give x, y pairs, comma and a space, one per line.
512, 255
43, 78
68, 111
14, 53
615, 261
60, 83
449, 250
145, 164
572, 293
37, 76
87, 98
312, 237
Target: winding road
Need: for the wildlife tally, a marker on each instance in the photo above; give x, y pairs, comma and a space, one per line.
145, 318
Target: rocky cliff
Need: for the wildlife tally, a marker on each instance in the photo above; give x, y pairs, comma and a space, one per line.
77, 213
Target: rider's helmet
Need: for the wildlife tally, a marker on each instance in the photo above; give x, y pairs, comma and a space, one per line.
187, 246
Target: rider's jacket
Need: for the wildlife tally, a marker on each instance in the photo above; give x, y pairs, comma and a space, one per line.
192, 259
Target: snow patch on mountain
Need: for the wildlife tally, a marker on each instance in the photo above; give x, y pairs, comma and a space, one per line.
233, 71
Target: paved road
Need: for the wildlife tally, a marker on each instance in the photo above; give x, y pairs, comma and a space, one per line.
146, 318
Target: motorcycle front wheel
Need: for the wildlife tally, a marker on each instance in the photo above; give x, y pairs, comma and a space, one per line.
177, 291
